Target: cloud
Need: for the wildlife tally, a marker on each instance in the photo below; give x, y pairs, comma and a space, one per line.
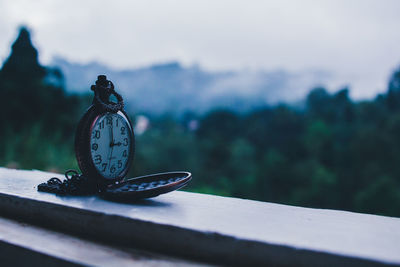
353, 39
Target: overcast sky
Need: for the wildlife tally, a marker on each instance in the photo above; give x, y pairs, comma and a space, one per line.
357, 40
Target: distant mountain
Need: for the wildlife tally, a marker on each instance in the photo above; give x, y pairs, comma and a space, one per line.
172, 88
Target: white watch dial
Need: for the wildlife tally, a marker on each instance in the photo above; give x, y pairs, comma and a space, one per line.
110, 144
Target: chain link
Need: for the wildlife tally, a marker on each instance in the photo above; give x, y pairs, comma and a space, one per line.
103, 89
74, 184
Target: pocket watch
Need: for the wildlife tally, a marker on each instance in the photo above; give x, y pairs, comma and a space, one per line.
104, 148
104, 140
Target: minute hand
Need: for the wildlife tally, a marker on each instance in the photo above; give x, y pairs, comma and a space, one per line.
111, 143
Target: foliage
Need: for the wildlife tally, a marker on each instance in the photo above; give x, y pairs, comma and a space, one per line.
37, 118
334, 153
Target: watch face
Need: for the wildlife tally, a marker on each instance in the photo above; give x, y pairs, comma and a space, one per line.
110, 144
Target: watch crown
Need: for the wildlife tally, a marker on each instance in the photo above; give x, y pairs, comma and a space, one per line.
102, 78
102, 81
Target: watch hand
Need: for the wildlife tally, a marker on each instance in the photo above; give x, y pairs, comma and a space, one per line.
115, 144
112, 132
111, 144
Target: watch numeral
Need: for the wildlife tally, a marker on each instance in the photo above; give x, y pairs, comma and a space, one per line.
125, 142
124, 154
97, 159
109, 120
119, 164
116, 123
112, 169
97, 134
104, 165
95, 146
123, 130
101, 125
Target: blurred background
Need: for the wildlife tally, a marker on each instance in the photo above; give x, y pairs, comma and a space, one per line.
294, 102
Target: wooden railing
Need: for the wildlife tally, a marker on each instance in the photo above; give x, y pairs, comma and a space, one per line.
183, 228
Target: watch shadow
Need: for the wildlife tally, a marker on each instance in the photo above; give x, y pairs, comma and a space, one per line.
140, 202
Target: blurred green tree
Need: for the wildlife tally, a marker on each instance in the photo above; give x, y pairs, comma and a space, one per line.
36, 114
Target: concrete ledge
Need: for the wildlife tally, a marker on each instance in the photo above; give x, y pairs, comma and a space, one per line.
210, 228
12, 255
26, 245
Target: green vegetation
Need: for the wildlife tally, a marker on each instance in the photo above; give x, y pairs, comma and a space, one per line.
334, 153
37, 118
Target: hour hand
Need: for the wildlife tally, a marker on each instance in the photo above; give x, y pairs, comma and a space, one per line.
115, 144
